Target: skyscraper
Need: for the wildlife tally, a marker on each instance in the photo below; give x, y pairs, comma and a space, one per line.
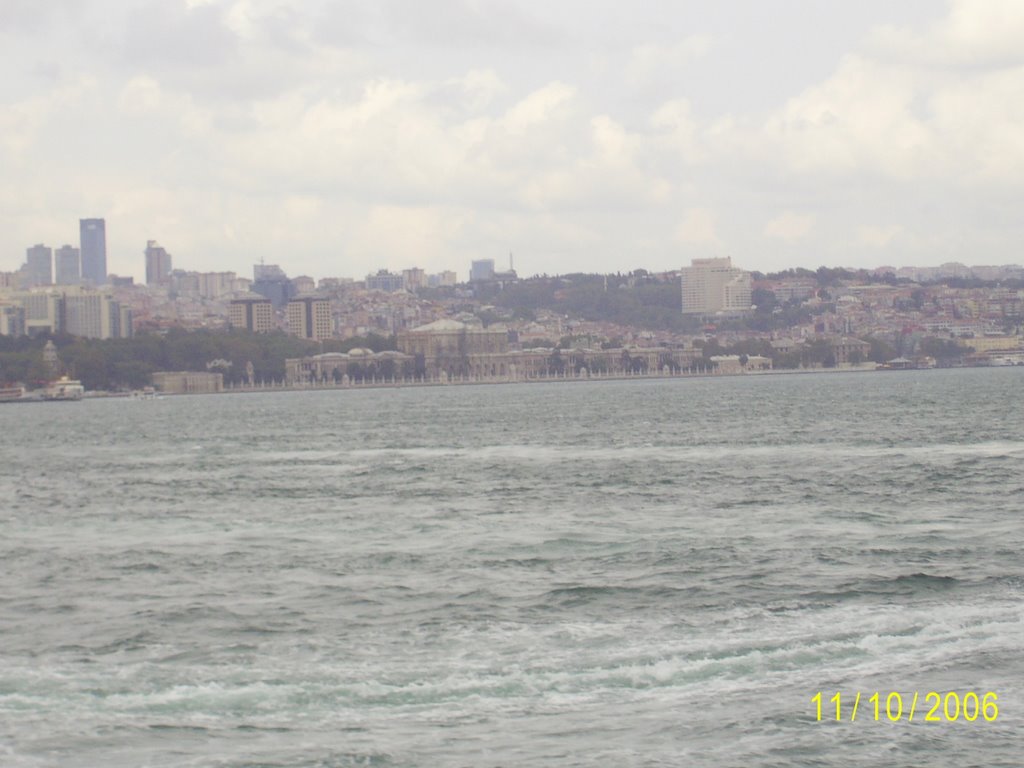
481, 270
93, 236
158, 263
38, 266
712, 286
272, 282
68, 263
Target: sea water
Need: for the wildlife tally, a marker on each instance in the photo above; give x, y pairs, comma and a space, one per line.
615, 573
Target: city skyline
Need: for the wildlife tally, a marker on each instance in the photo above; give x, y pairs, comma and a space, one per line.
153, 254
580, 138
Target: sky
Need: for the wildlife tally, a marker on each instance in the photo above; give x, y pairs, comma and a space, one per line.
340, 137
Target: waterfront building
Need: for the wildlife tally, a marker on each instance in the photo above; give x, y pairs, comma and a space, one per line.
93, 244
309, 317
847, 350
506, 365
188, 382
714, 286
38, 269
252, 313
158, 264
357, 364
728, 364
68, 262
446, 345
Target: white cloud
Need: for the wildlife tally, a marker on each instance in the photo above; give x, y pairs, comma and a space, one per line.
878, 236
651, 60
140, 94
790, 226
699, 227
973, 34
244, 117
538, 107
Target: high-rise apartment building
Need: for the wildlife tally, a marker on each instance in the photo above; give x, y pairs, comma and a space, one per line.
158, 264
38, 269
68, 262
309, 317
385, 281
713, 286
254, 314
414, 279
442, 279
93, 243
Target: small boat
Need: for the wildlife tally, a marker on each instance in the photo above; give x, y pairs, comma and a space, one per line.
64, 389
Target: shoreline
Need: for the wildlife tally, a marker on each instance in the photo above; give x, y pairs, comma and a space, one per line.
245, 390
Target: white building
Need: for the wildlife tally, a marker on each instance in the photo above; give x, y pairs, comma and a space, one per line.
714, 286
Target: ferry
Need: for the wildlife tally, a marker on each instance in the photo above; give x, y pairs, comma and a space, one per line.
11, 394
64, 389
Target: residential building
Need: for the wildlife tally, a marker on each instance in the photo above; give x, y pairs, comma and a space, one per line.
158, 264
303, 284
309, 317
253, 313
444, 279
414, 279
714, 286
385, 281
93, 244
68, 262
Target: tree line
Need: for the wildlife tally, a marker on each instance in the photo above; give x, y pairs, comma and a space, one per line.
114, 364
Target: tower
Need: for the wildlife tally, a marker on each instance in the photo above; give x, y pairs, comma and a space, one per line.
93, 241
158, 263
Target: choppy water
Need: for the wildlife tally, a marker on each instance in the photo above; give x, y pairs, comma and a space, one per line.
612, 573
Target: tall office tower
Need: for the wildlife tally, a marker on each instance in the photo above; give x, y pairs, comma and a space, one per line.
158, 264
309, 317
93, 241
710, 286
481, 270
38, 266
68, 263
271, 281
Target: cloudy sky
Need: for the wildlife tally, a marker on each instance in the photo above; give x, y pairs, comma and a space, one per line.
335, 137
